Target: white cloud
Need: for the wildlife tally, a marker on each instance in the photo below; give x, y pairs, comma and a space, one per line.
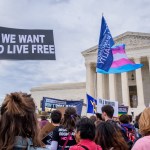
76, 25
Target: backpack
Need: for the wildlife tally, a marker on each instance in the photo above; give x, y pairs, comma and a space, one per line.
131, 134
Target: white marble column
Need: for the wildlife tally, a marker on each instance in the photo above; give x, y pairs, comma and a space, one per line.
148, 57
139, 83
90, 79
125, 89
100, 86
112, 87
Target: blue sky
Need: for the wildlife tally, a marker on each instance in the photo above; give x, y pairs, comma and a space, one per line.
76, 25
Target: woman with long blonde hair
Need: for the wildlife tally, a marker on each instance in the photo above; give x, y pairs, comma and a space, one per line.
144, 128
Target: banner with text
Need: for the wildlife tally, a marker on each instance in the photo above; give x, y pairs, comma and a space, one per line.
22, 44
102, 102
122, 110
55, 103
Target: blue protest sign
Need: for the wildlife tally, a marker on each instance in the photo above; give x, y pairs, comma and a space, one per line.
55, 103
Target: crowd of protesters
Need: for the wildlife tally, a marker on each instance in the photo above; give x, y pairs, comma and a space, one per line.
21, 130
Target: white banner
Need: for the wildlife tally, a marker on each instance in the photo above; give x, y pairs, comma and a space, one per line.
102, 102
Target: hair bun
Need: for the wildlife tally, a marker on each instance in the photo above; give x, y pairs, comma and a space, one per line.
18, 103
16, 97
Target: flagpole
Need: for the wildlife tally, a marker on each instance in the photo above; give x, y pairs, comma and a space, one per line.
95, 89
86, 104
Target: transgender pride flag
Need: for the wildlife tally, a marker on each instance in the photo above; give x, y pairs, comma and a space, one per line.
120, 63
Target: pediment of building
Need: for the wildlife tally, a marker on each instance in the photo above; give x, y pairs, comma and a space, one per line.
132, 40
60, 86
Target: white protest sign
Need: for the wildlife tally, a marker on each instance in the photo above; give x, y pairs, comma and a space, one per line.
102, 102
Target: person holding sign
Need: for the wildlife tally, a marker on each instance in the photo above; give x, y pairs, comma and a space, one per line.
46, 132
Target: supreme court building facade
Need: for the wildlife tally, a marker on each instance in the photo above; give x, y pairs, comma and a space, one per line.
130, 89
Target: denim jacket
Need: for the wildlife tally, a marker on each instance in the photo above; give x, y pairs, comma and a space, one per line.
25, 144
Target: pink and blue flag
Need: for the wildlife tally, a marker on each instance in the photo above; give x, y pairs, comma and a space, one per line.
120, 63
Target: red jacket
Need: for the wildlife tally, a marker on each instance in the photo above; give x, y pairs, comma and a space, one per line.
88, 143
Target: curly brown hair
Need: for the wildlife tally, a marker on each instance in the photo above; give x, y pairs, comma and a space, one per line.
18, 118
